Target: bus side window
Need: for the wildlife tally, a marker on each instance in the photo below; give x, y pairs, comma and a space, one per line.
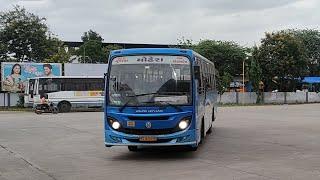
198, 63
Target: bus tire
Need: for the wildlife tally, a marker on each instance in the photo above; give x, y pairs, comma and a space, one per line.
213, 116
192, 148
64, 106
210, 129
133, 148
202, 132
211, 125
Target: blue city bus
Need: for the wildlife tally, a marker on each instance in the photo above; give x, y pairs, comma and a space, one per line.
159, 97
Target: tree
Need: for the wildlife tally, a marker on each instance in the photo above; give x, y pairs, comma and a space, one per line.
224, 82
91, 50
255, 72
311, 41
282, 58
110, 48
24, 35
91, 36
57, 52
227, 56
3, 52
62, 56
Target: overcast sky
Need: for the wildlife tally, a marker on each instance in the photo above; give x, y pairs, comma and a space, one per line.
164, 21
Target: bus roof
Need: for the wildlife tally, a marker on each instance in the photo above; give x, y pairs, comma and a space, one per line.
175, 51
63, 77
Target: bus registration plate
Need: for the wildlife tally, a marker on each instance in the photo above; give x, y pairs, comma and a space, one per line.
147, 139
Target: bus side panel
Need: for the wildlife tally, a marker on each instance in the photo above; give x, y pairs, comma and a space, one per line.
199, 109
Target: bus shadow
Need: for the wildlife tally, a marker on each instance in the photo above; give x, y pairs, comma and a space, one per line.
165, 153
158, 153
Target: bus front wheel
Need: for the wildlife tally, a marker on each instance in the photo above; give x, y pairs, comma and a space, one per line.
133, 148
192, 148
64, 106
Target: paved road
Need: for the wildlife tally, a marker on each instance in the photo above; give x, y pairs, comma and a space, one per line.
266, 142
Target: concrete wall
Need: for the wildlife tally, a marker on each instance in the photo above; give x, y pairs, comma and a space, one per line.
274, 97
247, 98
270, 97
225, 98
228, 98
9, 99
296, 97
313, 97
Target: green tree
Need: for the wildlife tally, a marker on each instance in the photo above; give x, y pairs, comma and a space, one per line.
223, 82
91, 36
24, 34
282, 58
311, 40
91, 50
255, 71
3, 52
62, 56
255, 74
109, 48
227, 56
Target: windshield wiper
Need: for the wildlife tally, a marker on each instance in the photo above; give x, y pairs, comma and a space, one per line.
132, 97
173, 93
155, 93
166, 103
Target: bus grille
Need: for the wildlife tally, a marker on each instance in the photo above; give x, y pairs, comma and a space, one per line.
158, 141
149, 131
148, 117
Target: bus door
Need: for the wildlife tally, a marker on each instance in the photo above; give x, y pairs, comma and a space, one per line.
201, 94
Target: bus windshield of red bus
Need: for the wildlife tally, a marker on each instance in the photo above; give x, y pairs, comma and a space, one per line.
150, 80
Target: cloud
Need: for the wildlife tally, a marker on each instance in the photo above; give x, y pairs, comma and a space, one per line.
146, 21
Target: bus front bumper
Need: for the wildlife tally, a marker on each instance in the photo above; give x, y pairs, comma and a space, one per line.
187, 137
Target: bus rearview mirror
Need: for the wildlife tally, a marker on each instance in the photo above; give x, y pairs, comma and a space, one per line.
197, 72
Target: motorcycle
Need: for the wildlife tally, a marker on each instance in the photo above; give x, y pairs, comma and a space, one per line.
46, 108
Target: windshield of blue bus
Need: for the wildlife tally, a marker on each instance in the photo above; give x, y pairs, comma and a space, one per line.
150, 81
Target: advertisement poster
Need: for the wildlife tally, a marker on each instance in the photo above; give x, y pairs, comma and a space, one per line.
14, 75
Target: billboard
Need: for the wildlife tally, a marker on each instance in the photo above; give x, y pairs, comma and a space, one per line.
14, 75
85, 69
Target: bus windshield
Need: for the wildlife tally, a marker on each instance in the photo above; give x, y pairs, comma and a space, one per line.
150, 80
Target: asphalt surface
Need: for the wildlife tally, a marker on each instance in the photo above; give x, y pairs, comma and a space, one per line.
262, 142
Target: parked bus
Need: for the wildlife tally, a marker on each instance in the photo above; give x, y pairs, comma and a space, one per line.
67, 92
159, 97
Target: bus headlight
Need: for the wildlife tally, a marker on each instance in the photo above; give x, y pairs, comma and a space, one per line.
184, 123
114, 123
